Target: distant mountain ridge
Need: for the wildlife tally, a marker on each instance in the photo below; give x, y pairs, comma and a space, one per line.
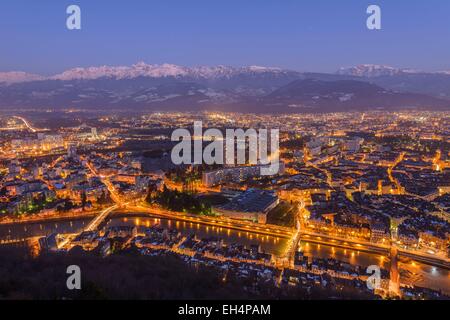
341, 95
171, 87
19, 76
372, 71
142, 69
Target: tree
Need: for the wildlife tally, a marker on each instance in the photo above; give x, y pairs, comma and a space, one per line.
104, 198
83, 199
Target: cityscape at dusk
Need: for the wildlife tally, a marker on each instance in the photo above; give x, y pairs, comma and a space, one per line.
234, 180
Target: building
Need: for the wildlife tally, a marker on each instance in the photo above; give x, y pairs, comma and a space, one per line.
50, 242
299, 156
353, 145
253, 205
135, 164
86, 133
121, 232
72, 151
430, 241
314, 152
379, 234
235, 174
44, 142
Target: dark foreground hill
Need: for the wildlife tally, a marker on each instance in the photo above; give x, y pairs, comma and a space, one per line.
129, 275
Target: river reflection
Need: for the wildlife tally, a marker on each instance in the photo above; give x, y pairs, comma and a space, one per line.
269, 244
425, 275
20, 231
351, 256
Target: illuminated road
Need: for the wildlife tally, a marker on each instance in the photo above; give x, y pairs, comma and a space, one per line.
219, 222
352, 244
394, 284
356, 244
66, 241
199, 188
295, 238
398, 187
323, 170
105, 180
27, 124
93, 225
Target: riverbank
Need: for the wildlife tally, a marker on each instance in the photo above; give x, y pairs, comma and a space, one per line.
48, 218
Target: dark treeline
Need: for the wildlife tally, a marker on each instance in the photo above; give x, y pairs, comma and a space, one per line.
129, 275
175, 200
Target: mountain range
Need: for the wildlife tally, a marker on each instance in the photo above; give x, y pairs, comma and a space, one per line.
254, 89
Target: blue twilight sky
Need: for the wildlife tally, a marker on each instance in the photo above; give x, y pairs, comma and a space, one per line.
305, 35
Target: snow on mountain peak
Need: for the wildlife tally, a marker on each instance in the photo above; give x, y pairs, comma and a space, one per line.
141, 69
371, 70
122, 72
18, 76
263, 69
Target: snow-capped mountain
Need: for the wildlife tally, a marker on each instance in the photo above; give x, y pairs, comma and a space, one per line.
123, 72
220, 72
142, 69
17, 76
372, 70
173, 87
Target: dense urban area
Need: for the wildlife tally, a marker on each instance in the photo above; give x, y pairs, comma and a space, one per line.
353, 189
